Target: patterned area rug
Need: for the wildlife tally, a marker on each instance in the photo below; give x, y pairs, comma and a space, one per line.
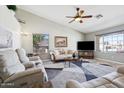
98, 70
87, 73
80, 71
52, 72
73, 72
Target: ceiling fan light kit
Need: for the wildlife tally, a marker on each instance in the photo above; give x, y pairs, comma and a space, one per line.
79, 16
77, 19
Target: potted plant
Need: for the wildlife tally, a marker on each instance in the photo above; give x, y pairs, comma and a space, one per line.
12, 7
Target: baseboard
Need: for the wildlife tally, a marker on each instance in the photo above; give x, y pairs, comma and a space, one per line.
109, 60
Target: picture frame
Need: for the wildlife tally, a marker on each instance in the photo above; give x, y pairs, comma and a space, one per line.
60, 41
40, 42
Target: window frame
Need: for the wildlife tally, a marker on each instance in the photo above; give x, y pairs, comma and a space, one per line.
112, 44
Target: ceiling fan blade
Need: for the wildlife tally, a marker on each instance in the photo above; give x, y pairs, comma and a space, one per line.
89, 16
70, 16
71, 21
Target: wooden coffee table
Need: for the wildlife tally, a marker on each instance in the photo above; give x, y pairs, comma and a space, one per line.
71, 59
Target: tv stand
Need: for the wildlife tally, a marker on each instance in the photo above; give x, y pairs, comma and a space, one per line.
86, 54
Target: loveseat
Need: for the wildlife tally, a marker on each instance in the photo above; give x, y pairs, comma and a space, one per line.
60, 54
112, 80
14, 74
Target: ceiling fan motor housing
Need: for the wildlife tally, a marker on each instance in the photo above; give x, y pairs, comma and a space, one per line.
78, 9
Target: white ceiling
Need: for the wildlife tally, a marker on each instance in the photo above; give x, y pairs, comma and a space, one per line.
112, 15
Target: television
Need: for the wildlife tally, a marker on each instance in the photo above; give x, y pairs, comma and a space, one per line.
85, 45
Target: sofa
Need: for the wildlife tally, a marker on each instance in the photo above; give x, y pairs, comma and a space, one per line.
112, 80
60, 54
14, 74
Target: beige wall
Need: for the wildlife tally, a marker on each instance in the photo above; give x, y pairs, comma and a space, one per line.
36, 24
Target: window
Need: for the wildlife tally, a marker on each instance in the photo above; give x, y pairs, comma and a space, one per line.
111, 42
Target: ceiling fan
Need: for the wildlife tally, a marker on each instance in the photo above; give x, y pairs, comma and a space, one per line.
79, 16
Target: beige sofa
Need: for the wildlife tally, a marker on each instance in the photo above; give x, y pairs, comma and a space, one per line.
112, 80
60, 54
14, 74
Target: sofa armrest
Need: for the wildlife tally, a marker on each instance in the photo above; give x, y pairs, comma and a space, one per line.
33, 58
36, 60
26, 78
121, 69
73, 84
29, 65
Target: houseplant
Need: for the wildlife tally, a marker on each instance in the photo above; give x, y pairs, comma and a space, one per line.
12, 7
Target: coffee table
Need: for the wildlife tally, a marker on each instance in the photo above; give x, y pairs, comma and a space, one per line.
71, 59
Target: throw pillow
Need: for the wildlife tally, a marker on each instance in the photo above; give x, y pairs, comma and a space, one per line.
70, 51
56, 52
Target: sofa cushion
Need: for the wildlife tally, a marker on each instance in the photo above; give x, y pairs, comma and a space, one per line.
110, 77
121, 69
110, 85
22, 55
95, 83
9, 63
61, 51
70, 51
61, 57
119, 82
56, 52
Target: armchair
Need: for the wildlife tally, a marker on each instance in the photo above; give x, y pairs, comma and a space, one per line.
14, 74
31, 62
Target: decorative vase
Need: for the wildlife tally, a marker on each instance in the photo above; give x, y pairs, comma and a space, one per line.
73, 55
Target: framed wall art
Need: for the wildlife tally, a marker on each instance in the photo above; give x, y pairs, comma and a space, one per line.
40, 42
60, 41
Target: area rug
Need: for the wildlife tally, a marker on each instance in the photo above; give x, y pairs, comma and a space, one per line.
74, 72
79, 71
97, 70
87, 73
